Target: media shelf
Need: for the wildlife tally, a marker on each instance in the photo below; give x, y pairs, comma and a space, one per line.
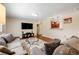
27, 35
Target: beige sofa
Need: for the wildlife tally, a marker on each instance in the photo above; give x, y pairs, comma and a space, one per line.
21, 47
12, 44
69, 47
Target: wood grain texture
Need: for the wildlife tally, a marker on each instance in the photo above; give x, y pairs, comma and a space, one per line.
47, 39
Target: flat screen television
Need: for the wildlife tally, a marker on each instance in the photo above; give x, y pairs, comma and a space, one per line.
26, 26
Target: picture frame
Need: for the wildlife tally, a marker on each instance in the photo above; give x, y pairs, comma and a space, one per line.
55, 24
68, 20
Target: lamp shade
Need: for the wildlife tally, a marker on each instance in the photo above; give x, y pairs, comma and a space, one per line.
2, 14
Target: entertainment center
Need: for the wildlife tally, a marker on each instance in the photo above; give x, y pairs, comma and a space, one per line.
25, 27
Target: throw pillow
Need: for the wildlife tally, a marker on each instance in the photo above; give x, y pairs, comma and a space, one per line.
4, 49
8, 38
50, 47
2, 42
74, 37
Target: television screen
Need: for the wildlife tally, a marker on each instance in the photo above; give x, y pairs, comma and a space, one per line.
27, 26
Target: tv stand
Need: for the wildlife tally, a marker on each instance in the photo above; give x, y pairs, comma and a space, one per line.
27, 35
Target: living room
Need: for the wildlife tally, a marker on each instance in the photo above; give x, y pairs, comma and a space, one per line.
48, 23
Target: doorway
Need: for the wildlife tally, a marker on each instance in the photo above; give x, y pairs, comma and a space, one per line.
38, 30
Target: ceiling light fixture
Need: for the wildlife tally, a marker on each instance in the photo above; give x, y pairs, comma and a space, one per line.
34, 14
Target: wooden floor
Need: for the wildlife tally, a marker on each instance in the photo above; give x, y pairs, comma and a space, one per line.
44, 38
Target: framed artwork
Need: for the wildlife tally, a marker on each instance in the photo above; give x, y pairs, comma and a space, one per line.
55, 24
68, 20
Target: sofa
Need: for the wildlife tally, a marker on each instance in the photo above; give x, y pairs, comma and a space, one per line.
69, 47
11, 45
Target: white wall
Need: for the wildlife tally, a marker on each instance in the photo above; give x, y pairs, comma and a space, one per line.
67, 31
14, 26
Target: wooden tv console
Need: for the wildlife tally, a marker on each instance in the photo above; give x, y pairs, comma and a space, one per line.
27, 35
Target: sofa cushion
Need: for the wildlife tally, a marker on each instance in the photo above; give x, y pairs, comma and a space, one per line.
8, 38
73, 51
19, 50
40, 44
73, 42
14, 44
2, 42
35, 50
65, 50
61, 50
17, 47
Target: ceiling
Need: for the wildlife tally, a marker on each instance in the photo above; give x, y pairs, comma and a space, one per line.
38, 11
